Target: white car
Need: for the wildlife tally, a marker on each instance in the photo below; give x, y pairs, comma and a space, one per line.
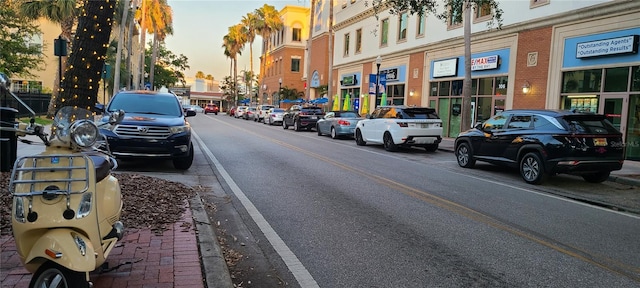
396, 126
274, 115
262, 112
240, 111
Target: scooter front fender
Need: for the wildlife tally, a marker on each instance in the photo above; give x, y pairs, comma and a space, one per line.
62, 246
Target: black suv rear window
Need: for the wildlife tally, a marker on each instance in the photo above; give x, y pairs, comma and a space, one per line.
419, 113
589, 124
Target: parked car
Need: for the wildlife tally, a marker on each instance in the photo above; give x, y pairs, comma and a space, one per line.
396, 126
274, 116
196, 108
211, 108
232, 111
250, 113
338, 123
240, 111
262, 112
155, 126
541, 143
301, 117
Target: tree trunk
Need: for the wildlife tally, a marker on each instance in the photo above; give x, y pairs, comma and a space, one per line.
129, 50
251, 63
466, 86
308, 60
80, 83
143, 36
235, 77
121, 39
330, 76
154, 55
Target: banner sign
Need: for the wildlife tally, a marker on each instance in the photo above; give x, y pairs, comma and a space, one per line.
445, 68
381, 85
484, 63
620, 45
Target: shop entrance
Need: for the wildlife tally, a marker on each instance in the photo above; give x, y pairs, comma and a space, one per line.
615, 108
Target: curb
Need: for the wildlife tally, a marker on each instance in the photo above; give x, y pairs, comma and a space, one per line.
215, 270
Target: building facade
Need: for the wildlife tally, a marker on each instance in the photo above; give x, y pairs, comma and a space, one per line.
282, 59
558, 55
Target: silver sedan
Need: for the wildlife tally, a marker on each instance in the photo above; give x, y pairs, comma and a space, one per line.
338, 123
274, 116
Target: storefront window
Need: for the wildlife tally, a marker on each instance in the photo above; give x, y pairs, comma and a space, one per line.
616, 79
635, 78
483, 109
633, 128
395, 94
474, 86
444, 88
456, 87
485, 86
501, 85
434, 88
580, 104
582, 81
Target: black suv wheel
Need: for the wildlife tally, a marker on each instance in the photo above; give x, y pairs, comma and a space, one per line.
184, 163
532, 168
597, 177
465, 156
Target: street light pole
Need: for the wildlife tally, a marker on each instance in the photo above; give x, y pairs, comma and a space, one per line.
279, 90
378, 62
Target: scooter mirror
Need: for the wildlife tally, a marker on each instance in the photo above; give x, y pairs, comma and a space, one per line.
4, 81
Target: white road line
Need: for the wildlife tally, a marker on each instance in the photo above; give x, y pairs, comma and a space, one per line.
291, 260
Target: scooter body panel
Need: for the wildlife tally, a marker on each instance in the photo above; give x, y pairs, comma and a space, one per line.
62, 241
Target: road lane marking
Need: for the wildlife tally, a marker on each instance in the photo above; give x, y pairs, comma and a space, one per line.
290, 259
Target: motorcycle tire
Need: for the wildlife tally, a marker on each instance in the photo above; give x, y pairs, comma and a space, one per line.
50, 273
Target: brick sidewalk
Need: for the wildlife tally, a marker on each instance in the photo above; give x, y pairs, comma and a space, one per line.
140, 259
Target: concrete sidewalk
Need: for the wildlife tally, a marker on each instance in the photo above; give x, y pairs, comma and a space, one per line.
186, 255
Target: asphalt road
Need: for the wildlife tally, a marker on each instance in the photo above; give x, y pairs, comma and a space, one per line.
329, 213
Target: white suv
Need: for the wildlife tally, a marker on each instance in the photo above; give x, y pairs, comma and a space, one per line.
263, 112
395, 126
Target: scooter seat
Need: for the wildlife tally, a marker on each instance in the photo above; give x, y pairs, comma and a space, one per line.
102, 165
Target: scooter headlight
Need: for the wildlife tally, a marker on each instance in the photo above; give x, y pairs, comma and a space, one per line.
19, 209
84, 133
85, 205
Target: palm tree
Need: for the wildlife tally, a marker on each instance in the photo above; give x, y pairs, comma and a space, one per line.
308, 72
234, 42
269, 21
250, 22
199, 75
161, 17
122, 9
63, 12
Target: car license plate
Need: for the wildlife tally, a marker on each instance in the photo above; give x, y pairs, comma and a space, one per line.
313, 117
599, 141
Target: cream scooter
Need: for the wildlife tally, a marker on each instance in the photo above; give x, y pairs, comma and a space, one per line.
66, 204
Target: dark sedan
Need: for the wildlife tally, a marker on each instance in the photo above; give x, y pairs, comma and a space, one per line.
338, 123
541, 143
301, 117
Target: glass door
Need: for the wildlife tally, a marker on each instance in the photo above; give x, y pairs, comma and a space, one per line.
615, 108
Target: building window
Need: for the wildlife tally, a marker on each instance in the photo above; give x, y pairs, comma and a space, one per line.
295, 65
384, 33
483, 12
455, 16
422, 21
297, 34
346, 44
403, 21
358, 40
537, 3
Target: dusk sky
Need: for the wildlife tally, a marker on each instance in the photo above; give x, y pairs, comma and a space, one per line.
199, 26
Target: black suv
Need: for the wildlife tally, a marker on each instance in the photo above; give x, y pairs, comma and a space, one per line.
154, 126
541, 143
301, 117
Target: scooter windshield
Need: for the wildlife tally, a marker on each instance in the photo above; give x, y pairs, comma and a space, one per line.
61, 127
